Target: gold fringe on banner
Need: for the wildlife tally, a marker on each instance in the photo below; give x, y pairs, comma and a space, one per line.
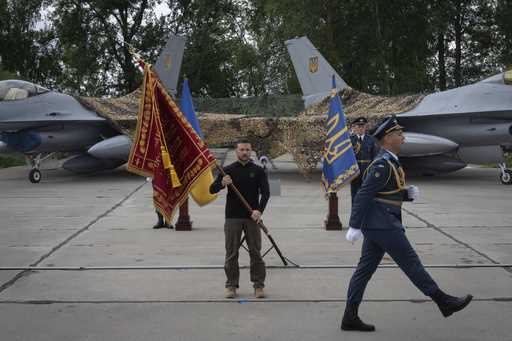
166, 159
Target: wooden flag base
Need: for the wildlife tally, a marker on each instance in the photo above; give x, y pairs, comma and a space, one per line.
333, 221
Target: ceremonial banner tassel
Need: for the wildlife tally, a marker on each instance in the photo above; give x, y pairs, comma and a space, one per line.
339, 160
166, 158
166, 147
164, 131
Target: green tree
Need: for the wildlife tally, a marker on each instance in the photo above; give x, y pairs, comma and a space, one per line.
27, 44
504, 28
95, 36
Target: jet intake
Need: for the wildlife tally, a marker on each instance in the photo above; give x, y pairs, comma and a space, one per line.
117, 148
22, 142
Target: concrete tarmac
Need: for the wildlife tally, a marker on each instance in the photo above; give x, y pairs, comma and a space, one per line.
137, 283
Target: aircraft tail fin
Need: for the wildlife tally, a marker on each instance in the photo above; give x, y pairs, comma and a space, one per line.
169, 61
313, 71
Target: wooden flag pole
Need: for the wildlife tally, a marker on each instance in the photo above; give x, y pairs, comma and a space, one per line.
249, 208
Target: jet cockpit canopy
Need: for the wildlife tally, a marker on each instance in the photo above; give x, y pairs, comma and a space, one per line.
14, 90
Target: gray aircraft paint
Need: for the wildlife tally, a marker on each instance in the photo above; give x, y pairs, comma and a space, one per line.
47, 121
446, 130
3, 147
168, 65
117, 147
312, 70
45, 109
491, 97
85, 163
421, 145
167, 68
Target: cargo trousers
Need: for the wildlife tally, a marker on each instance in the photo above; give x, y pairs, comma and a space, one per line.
233, 229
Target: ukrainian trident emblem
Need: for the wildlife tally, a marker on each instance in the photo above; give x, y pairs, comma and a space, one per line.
313, 64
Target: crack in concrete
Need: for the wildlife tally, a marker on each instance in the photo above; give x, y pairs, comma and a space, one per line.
24, 273
446, 234
248, 300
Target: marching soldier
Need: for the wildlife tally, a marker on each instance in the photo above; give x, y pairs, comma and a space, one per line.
365, 148
376, 215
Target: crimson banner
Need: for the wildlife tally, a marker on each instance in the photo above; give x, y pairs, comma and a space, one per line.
166, 147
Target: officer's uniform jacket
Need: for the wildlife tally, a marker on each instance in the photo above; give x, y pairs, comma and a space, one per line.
365, 151
384, 180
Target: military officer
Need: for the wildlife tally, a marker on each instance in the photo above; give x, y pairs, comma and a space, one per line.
376, 215
365, 148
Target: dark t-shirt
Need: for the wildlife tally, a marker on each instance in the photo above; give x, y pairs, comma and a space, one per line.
251, 181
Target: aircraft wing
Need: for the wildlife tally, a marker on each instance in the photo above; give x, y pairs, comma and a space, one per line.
491, 97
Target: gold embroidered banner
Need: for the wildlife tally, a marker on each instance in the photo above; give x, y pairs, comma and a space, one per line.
166, 147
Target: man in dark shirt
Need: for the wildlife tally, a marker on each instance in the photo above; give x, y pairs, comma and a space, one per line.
252, 182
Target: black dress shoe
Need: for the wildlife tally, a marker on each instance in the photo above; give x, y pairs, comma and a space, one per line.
159, 226
356, 325
450, 304
170, 226
351, 320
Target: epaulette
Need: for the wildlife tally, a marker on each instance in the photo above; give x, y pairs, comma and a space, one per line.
386, 156
379, 163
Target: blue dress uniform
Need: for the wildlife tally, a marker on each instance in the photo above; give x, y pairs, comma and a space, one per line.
366, 150
377, 211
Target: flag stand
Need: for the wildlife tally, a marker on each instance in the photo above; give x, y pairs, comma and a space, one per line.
333, 221
184, 223
285, 259
260, 223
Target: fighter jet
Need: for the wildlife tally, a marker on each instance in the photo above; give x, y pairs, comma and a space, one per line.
446, 131
38, 122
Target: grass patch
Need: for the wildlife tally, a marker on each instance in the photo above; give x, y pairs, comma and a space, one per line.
508, 160
11, 161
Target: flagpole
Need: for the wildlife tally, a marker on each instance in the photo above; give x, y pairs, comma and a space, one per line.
249, 208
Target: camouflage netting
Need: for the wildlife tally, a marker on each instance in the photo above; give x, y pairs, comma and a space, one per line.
301, 135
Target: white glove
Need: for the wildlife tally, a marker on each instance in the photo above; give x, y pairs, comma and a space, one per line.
353, 234
413, 192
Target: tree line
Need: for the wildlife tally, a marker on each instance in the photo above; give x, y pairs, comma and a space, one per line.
236, 47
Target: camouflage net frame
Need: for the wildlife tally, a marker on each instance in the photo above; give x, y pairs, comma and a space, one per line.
302, 135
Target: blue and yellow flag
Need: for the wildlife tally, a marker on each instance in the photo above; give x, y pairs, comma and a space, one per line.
340, 164
201, 190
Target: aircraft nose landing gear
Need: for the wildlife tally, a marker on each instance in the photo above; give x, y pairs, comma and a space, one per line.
506, 174
34, 162
34, 175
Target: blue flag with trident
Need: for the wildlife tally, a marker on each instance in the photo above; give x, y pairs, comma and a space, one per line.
340, 164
